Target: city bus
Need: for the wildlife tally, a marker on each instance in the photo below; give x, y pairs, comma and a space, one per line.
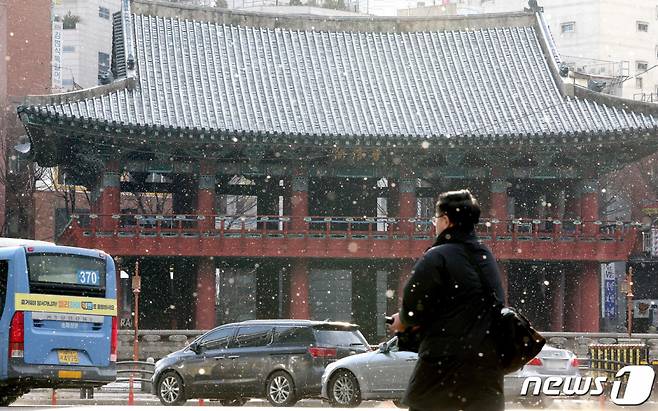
58, 320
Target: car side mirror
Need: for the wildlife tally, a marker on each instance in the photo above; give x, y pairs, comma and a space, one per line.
195, 347
383, 348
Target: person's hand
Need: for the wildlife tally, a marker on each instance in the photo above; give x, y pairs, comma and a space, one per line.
397, 325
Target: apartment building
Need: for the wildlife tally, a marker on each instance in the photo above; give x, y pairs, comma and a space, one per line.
610, 44
85, 29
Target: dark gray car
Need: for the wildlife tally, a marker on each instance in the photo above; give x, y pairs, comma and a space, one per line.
281, 360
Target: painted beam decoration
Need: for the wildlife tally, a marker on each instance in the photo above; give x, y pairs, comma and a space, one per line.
65, 304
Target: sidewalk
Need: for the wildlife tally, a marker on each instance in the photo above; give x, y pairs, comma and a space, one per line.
117, 394
112, 394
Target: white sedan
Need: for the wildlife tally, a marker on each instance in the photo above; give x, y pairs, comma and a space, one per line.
383, 375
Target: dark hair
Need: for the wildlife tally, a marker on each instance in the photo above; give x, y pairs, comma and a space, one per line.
461, 208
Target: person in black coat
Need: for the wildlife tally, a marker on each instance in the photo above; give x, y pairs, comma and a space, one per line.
445, 300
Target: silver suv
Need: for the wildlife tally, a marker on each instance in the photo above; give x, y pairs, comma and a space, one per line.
281, 360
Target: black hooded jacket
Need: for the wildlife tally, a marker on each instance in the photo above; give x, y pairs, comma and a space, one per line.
445, 297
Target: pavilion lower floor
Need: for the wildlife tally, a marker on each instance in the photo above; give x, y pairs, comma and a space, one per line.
189, 293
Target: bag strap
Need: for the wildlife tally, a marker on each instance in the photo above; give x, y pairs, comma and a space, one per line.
487, 289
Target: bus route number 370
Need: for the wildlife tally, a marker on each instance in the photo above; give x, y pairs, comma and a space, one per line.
88, 277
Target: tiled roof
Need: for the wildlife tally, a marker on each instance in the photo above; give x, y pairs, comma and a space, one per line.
481, 82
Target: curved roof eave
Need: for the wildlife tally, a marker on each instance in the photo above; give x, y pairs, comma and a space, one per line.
243, 136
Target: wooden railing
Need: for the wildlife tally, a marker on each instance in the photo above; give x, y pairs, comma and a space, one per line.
340, 237
179, 224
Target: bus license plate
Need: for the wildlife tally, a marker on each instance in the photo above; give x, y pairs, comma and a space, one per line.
68, 357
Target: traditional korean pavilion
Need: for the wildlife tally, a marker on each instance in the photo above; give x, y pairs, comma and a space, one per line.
303, 156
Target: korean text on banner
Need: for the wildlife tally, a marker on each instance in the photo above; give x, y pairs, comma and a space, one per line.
65, 304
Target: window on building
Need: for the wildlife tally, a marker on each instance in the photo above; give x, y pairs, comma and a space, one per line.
568, 27
641, 65
103, 63
68, 49
642, 26
638, 83
104, 13
67, 82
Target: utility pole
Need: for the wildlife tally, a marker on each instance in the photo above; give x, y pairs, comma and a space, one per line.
136, 285
629, 301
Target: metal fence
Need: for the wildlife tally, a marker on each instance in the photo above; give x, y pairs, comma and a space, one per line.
605, 359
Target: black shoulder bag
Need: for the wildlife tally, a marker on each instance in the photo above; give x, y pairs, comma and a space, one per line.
516, 341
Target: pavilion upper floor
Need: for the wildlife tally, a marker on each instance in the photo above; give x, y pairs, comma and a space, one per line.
357, 209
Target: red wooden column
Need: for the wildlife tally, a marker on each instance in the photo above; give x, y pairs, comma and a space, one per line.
110, 195
299, 277
205, 294
590, 297
498, 200
589, 202
206, 195
299, 200
572, 292
408, 207
504, 278
557, 302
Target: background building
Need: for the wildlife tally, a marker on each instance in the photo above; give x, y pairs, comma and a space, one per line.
86, 31
25, 69
610, 45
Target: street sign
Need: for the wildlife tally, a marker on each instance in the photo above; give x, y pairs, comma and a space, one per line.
608, 291
137, 283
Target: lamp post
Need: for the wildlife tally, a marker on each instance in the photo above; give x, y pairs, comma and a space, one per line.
136, 285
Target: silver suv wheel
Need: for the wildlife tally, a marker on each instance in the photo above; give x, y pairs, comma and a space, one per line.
344, 390
280, 390
170, 389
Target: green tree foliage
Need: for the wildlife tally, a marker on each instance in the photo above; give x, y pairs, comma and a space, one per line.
70, 21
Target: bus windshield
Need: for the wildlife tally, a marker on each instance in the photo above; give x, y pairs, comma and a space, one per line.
66, 274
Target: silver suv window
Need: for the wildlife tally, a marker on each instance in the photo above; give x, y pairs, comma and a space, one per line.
284, 335
253, 336
217, 339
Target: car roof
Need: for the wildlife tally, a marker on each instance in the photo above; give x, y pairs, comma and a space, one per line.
293, 322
